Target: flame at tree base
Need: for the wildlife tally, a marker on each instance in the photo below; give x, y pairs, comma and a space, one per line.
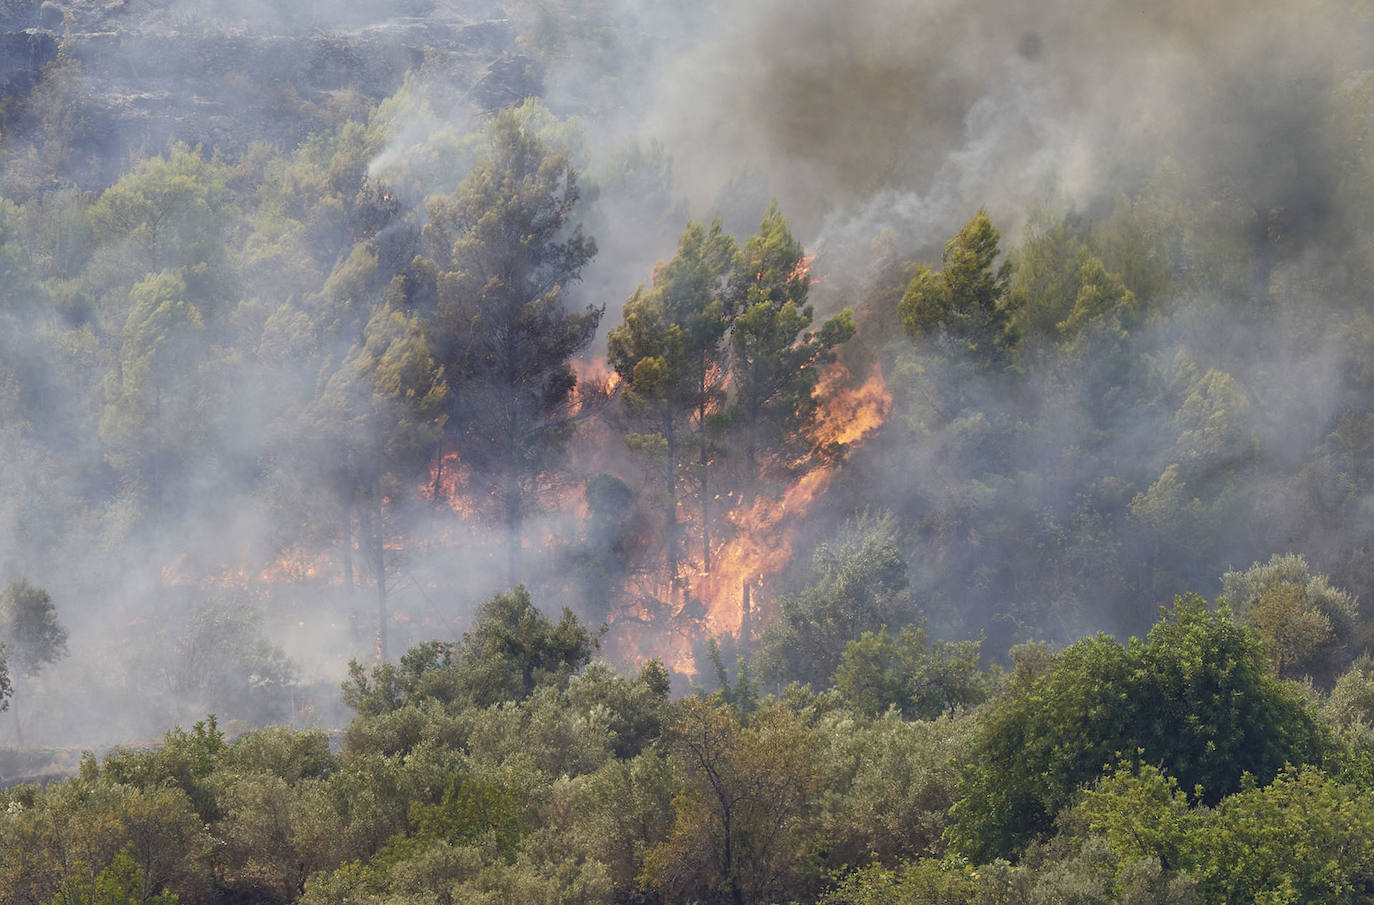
764, 533
653, 616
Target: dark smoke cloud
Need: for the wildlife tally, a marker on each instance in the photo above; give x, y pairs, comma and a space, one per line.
918, 113
864, 119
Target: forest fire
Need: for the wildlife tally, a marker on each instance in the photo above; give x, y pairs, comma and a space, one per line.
296, 565
653, 615
448, 484
762, 544
596, 383
851, 414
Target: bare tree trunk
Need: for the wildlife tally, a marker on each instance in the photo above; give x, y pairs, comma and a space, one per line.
18, 727
514, 527
157, 449
438, 471
671, 529
705, 480
348, 553
746, 619
372, 539
380, 552
514, 524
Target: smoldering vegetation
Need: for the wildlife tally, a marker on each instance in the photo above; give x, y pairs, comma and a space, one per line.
250, 410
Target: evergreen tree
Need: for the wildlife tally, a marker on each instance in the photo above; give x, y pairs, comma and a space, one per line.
775, 357
669, 353
505, 250
966, 303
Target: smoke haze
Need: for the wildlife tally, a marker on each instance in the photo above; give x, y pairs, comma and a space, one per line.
206, 574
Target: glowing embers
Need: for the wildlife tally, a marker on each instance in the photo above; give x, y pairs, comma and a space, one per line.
296, 565
448, 484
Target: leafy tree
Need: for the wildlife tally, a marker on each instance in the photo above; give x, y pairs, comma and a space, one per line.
1213, 423
213, 656
966, 303
290, 754
30, 638
29, 629
511, 650
1306, 623
120, 882
273, 836
1100, 294
167, 214
922, 680
1195, 697
169, 844
914, 883
1305, 837
668, 351
636, 707
1044, 284
1351, 701
775, 357
1140, 812
858, 584
156, 412
1302, 838
624, 811
505, 251
185, 761
21, 293
889, 784
1172, 522
381, 412
743, 792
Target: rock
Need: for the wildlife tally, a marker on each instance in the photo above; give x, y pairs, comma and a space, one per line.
23, 54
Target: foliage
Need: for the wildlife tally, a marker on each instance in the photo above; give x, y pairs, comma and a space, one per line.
209, 354
1306, 623
1195, 697
216, 657
505, 252
668, 352
740, 800
858, 584
511, 650
167, 213
966, 303
889, 784
1302, 838
29, 631
906, 671
775, 357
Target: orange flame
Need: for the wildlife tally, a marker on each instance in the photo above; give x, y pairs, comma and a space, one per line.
762, 544
595, 382
448, 484
661, 620
295, 565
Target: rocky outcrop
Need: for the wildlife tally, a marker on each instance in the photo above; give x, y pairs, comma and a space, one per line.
148, 75
23, 54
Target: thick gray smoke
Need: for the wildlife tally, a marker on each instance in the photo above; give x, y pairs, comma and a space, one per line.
879, 125
915, 114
